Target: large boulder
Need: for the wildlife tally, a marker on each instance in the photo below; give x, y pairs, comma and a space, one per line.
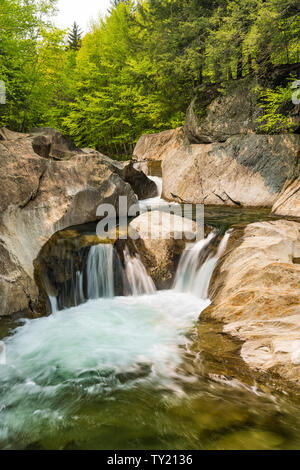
255, 291
288, 202
161, 239
143, 187
153, 147
237, 111
234, 113
245, 170
39, 197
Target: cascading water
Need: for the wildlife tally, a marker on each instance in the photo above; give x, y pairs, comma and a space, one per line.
78, 291
99, 276
138, 278
197, 264
94, 280
158, 181
158, 203
153, 202
61, 270
100, 273
53, 303
106, 352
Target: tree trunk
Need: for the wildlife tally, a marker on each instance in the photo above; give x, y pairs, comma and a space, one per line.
239, 69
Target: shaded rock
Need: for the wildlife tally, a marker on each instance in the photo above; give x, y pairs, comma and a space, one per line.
143, 187
246, 170
228, 115
255, 291
49, 142
39, 197
288, 202
41, 145
154, 146
161, 240
142, 166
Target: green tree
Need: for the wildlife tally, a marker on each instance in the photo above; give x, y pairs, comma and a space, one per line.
117, 95
21, 23
74, 37
138, 68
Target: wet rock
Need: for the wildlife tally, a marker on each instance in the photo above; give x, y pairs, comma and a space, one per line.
255, 291
161, 240
143, 187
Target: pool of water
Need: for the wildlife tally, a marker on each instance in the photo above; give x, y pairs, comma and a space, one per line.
130, 373
139, 372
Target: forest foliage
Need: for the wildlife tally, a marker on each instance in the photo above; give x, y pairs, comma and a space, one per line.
138, 68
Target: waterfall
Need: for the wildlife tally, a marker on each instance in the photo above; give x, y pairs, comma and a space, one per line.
100, 273
102, 276
154, 202
78, 291
158, 181
2, 353
53, 303
94, 280
139, 280
197, 265
191, 259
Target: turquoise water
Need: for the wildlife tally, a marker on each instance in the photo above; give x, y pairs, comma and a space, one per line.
138, 372
57, 364
124, 373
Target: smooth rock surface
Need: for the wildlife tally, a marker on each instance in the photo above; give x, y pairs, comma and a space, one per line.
153, 147
161, 240
255, 291
245, 170
38, 197
6, 134
288, 202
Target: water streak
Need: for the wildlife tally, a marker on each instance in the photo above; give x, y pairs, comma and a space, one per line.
157, 202
100, 273
53, 303
138, 278
197, 265
158, 181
